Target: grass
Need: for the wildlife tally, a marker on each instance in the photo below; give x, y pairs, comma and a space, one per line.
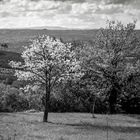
69, 126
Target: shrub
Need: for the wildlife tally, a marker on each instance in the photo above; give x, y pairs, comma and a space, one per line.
14, 101
11, 100
130, 103
34, 99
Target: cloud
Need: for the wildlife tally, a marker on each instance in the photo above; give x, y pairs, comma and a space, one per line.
118, 1
110, 9
66, 13
131, 3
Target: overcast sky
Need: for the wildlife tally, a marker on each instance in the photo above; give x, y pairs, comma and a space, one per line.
82, 14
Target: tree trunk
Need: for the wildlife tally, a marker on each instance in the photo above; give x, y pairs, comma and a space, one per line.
46, 110
47, 100
93, 107
112, 101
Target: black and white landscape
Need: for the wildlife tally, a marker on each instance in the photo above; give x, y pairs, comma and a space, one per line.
69, 70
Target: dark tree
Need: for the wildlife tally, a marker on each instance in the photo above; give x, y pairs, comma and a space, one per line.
111, 58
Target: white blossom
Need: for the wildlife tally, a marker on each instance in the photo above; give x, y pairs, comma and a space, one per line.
47, 55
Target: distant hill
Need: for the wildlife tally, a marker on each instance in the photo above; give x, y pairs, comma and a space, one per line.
16, 38
20, 37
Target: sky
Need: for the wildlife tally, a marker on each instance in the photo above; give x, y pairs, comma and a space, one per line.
69, 14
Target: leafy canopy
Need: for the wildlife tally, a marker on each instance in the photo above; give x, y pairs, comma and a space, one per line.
113, 56
47, 59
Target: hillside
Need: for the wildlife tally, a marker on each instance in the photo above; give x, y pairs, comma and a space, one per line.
20, 37
16, 38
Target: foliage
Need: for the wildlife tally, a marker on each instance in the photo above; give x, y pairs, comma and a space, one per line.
19, 84
14, 99
130, 99
34, 98
78, 97
11, 99
46, 54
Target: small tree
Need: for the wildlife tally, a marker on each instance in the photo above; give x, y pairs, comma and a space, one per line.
111, 58
4, 46
47, 61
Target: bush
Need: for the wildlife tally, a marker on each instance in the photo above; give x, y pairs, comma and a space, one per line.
130, 103
76, 97
11, 100
34, 99
9, 80
14, 99
18, 84
71, 97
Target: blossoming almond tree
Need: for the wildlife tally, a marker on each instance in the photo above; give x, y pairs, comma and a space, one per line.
47, 61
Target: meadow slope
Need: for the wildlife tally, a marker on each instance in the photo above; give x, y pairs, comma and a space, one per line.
69, 126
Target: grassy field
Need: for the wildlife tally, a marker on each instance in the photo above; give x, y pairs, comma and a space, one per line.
69, 126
